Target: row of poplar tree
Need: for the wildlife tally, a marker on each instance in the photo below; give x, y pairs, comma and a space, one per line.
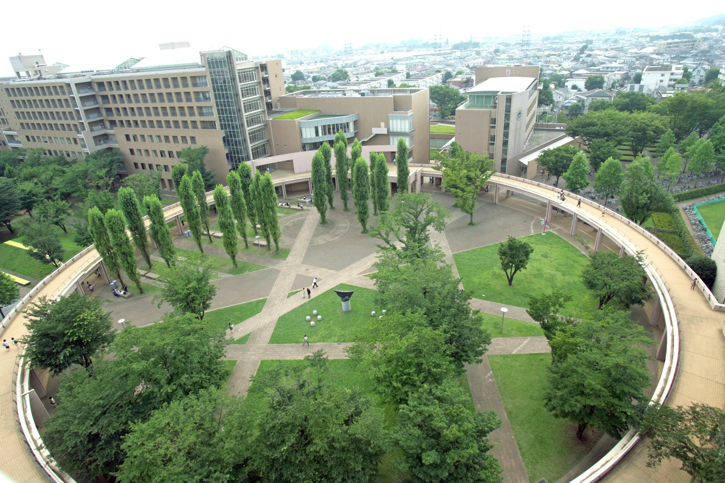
365, 184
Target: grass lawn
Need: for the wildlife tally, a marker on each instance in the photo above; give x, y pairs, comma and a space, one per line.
335, 326
511, 327
297, 114
555, 263
714, 216
229, 365
219, 320
253, 249
548, 445
287, 211
343, 373
293, 293
443, 129
19, 261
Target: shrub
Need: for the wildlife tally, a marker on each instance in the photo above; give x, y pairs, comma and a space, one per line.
699, 192
674, 242
705, 267
663, 221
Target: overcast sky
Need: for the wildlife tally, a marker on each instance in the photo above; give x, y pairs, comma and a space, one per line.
89, 34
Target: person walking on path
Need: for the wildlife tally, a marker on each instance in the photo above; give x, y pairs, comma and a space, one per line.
7, 346
314, 283
15, 342
305, 341
579, 203
230, 326
309, 293
694, 284
90, 287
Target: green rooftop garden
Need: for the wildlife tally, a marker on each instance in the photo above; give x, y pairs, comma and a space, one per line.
443, 129
297, 114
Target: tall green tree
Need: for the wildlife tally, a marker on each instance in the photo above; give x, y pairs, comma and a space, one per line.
327, 156
188, 289
693, 435
177, 173
576, 176
594, 82
11, 205
144, 184
197, 184
66, 331
53, 212
632, 101
238, 205
610, 125
603, 376
191, 210
226, 223
269, 200
617, 280
546, 97
703, 160
546, 310
259, 207
670, 166
641, 193
599, 151
103, 200
687, 149
361, 193
102, 242
645, 128
319, 185
666, 141
447, 98
514, 255
575, 110
132, 213
717, 138
407, 223
122, 246
432, 450
609, 179
401, 161
150, 368
159, 230
245, 176
556, 161
341, 170
314, 431
382, 183
43, 243
194, 158
465, 174
711, 75
373, 181
8, 291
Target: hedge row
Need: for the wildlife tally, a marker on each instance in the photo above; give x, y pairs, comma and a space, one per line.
675, 243
700, 192
671, 229
663, 221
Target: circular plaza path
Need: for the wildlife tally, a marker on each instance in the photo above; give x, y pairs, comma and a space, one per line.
340, 254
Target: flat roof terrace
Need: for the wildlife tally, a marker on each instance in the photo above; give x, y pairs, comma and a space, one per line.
354, 92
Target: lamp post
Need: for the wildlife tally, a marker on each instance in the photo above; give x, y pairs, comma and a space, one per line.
503, 316
122, 322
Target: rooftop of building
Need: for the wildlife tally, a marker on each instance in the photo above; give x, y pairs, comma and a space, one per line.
503, 85
355, 92
661, 68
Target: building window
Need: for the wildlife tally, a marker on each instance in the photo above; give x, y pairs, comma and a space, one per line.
143, 166
491, 139
135, 165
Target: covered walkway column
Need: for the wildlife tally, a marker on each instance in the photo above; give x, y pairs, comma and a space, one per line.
654, 318
598, 241
662, 348
495, 194
104, 272
178, 224
284, 191
548, 215
621, 251
574, 224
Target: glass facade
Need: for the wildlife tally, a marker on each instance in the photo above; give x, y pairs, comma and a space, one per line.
506, 123
229, 110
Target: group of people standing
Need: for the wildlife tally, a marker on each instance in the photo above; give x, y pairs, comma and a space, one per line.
307, 289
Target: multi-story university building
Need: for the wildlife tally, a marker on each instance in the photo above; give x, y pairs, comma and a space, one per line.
500, 113
149, 109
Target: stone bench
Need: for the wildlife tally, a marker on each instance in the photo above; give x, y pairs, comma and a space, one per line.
152, 276
260, 242
216, 234
124, 295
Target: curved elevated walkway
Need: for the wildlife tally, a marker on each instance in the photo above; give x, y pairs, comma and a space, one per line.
693, 351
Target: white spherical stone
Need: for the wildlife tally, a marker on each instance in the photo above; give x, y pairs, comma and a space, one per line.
373, 314
384, 311
314, 312
319, 317
312, 324
381, 316
308, 318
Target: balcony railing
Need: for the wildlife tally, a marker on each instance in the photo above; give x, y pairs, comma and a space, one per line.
107, 141
15, 142
98, 128
94, 115
86, 91
89, 103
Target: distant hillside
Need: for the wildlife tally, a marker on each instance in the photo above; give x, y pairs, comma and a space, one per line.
711, 21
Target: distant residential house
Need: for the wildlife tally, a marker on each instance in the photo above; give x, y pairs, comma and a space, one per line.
698, 75
586, 98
